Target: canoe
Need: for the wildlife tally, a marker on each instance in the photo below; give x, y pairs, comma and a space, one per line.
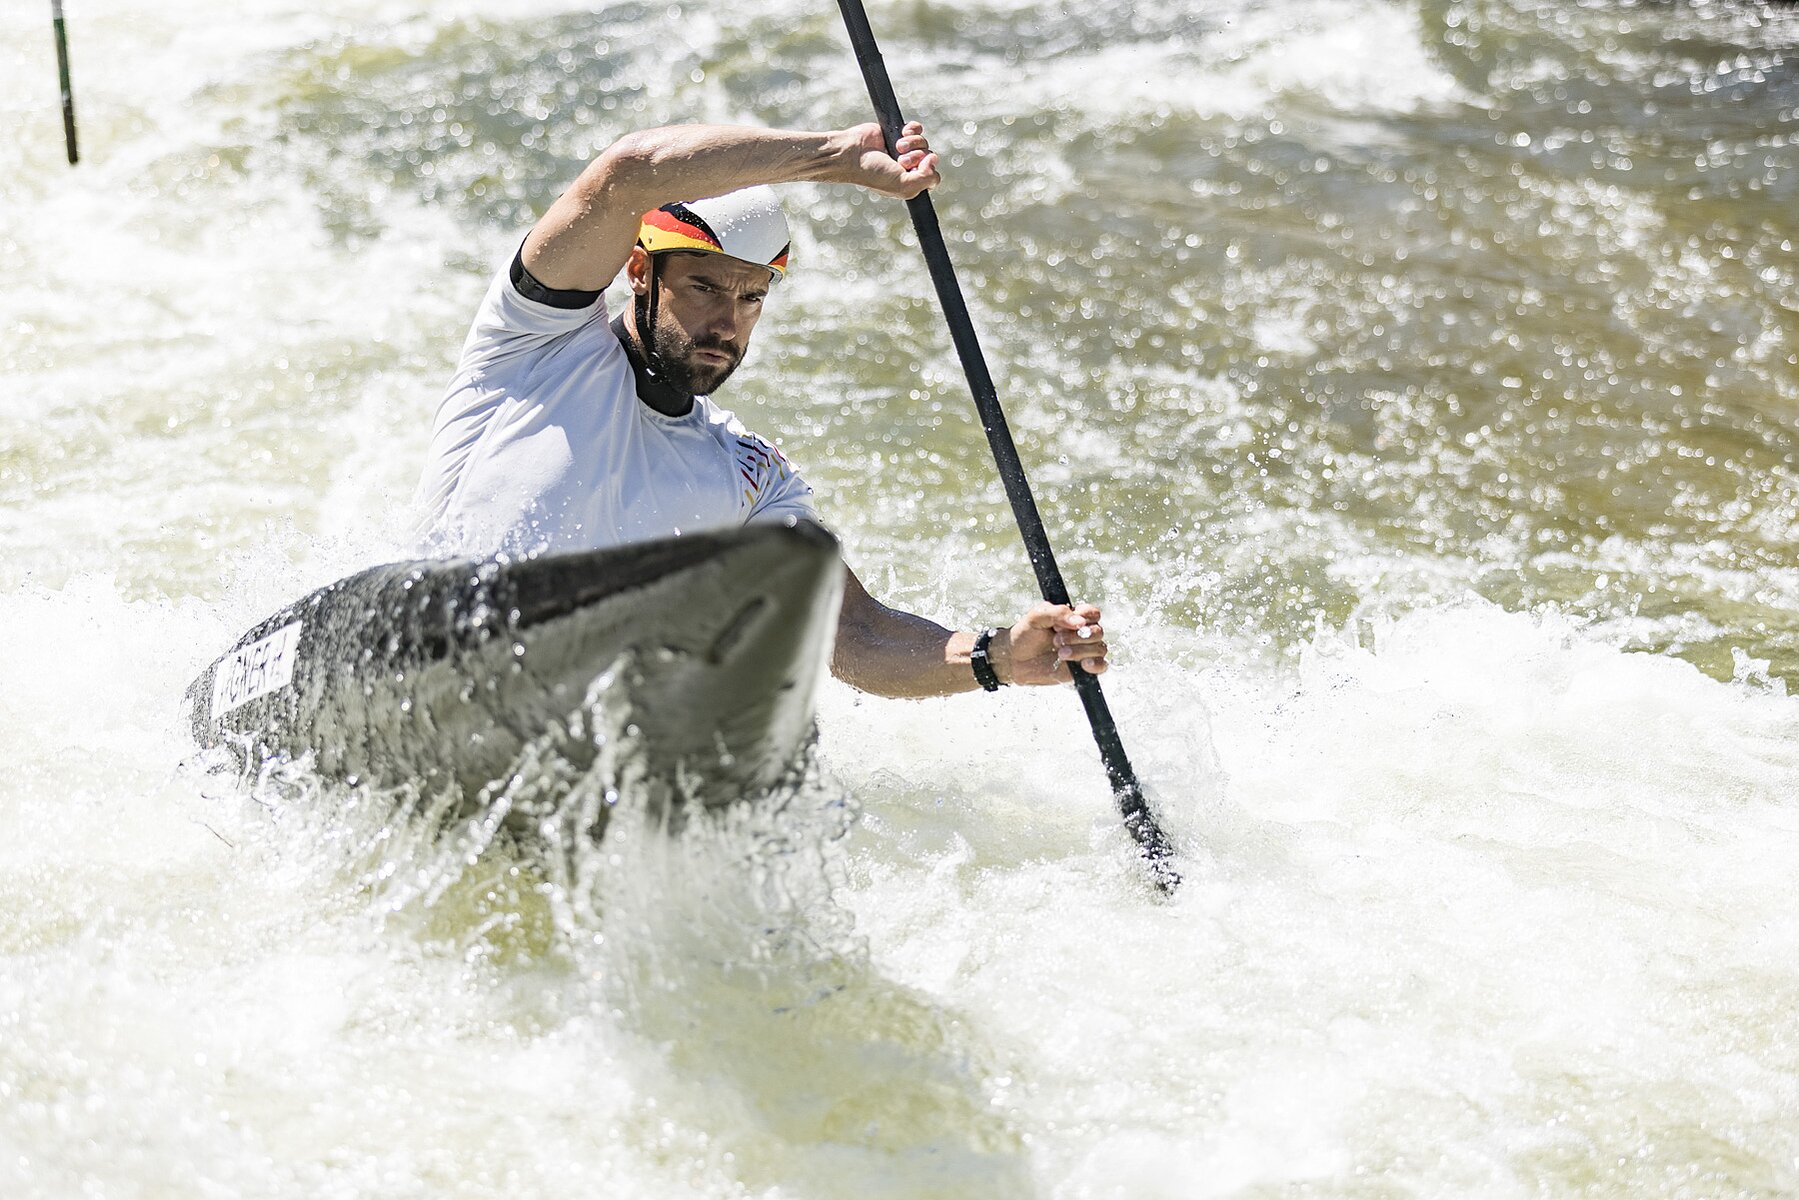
688, 665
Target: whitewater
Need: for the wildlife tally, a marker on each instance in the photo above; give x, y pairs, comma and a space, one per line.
1415, 384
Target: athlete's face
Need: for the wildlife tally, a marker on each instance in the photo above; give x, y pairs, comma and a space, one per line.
709, 305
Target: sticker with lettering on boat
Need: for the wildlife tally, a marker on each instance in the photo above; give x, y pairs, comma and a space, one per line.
263, 666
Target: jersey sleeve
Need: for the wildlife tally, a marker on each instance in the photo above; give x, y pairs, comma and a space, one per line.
791, 497
519, 326
519, 315
773, 489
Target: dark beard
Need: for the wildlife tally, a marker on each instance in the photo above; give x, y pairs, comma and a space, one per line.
673, 361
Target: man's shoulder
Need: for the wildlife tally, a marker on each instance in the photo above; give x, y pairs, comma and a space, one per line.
576, 374
758, 457
727, 426
513, 324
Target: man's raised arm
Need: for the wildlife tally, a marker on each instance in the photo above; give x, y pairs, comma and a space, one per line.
582, 242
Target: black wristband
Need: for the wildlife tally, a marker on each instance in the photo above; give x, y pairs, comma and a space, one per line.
982, 664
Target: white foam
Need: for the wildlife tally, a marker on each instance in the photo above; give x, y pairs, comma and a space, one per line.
1252, 61
1478, 903
1480, 856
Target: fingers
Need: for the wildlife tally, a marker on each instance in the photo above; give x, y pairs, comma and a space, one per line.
1062, 670
1052, 641
1089, 654
1088, 643
918, 173
915, 156
917, 163
911, 139
1071, 617
924, 178
1080, 640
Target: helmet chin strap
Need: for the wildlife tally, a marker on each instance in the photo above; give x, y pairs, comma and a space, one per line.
656, 385
644, 309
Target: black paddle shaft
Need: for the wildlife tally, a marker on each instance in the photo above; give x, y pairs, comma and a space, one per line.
1157, 853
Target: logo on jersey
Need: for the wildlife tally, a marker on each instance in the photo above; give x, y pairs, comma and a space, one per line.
761, 466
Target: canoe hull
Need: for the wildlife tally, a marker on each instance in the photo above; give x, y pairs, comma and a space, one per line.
704, 652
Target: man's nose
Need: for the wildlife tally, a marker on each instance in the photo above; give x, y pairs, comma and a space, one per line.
727, 320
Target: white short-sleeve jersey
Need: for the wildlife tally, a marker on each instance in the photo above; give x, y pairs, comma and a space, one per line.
542, 444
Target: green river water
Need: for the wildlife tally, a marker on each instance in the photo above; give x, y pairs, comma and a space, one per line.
1416, 384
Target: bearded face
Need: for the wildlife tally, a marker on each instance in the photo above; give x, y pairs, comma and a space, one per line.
696, 366
696, 311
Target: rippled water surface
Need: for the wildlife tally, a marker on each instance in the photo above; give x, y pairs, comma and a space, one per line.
1416, 384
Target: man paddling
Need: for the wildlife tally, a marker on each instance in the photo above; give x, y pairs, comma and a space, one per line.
563, 430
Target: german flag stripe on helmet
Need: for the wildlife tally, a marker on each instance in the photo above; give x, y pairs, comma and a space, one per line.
676, 227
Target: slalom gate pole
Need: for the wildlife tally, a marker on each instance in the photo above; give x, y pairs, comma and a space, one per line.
62, 71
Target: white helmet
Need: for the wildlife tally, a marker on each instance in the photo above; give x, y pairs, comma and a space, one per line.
747, 224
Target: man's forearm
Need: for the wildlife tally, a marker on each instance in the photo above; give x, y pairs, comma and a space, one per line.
688, 162
892, 653
584, 237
